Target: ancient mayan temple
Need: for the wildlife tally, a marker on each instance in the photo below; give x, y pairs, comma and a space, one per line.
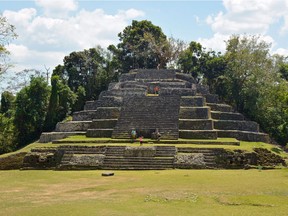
183, 111
180, 108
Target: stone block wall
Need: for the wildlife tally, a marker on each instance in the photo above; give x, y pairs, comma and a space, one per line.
145, 114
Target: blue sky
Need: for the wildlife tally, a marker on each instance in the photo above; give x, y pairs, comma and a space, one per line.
50, 29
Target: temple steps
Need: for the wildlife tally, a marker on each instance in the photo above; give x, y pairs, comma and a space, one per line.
72, 126
220, 107
244, 135
195, 124
192, 101
51, 136
198, 134
236, 125
217, 115
106, 132
138, 163
194, 113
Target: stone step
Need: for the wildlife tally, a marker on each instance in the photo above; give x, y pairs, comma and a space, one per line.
107, 132
103, 123
244, 135
195, 124
198, 134
236, 125
220, 107
108, 101
226, 116
177, 91
195, 150
211, 98
72, 126
194, 113
100, 113
192, 101
51, 136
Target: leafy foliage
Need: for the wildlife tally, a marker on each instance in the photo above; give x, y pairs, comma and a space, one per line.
7, 99
141, 45
7, 33
30, 110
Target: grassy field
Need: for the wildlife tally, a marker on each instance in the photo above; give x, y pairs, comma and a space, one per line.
169, 192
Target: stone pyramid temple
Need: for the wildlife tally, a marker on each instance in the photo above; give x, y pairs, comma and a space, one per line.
164, 100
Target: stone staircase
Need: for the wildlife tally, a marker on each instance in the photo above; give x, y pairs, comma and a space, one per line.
195, 119
208, 153
117, 157
145, 114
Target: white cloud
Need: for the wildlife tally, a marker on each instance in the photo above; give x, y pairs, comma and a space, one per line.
281, 51
46, 40
25, 58
217, 42
56, 8
242, 16
254, 17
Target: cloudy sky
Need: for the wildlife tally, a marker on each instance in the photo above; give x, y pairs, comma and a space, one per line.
50, 29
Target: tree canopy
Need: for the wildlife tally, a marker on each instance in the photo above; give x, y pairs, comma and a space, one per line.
7, 33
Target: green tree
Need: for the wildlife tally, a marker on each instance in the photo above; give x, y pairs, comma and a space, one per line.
141, 45
204, 66
253, 85
189, 60
7, 135
7, 99
7, 33
60, 103
249, 70
31, 105
82, 69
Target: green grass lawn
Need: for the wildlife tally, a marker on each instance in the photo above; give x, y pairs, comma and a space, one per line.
169, 192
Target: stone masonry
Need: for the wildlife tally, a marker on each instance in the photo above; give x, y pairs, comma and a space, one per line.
146, 100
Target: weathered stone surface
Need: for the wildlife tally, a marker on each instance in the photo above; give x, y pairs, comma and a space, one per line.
244, 135
103, 124
190, 160
49, 137
198, 124
86, 160
141, 151
99, 132
154, 74
197, 134
14, 161
192, 101
106, 101
226, 116
145, 114
72, 126
100, 113
177, 91
194, 113
236, 125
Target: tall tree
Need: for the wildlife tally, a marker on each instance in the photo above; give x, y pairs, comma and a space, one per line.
83, 68
190, 59
30, 110
60, 103
254, 86
7, 99
137, 47
7, 33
